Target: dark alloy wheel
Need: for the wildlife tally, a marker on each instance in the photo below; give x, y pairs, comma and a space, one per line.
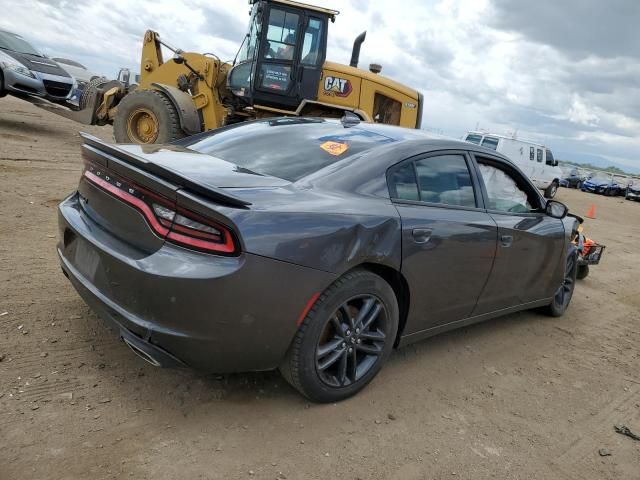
563, 295
351, 341
345, 338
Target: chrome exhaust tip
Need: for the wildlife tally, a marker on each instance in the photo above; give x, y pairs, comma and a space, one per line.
142, 354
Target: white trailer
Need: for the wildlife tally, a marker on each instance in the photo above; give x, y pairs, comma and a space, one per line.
534, 159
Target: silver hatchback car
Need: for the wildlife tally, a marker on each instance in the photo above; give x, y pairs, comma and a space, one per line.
25, 71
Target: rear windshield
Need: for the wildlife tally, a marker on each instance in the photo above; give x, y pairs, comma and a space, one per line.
287, 148
12, 42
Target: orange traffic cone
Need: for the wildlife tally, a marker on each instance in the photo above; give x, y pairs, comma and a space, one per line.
592, 212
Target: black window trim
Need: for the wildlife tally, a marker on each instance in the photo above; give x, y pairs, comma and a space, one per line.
471, 167
499, 163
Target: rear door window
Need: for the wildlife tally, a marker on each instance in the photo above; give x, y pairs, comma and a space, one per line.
403, 183
443, 179
539, 155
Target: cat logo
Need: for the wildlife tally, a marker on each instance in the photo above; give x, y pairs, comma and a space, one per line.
336, 86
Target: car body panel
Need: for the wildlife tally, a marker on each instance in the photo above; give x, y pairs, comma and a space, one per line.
191, 304
527, 245
434, 268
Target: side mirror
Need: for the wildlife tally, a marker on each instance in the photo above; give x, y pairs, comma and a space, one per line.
556, 209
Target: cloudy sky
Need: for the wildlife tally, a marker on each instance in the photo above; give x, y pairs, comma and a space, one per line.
564, 72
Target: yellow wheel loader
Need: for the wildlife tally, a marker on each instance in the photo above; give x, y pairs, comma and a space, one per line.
280, 70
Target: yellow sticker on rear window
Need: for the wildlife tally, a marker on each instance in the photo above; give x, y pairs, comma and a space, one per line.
334, 148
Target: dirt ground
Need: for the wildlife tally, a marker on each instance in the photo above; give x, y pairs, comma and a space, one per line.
521, 397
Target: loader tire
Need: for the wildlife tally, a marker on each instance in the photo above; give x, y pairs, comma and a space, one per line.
145, 117
94, 84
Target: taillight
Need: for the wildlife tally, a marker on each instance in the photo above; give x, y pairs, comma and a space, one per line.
165, 218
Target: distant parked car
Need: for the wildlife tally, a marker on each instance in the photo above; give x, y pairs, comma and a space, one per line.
25, 71
78, 71
604, 185
633, 191
82, 75
572, 180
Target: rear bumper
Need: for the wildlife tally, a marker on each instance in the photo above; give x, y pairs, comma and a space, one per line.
183, 308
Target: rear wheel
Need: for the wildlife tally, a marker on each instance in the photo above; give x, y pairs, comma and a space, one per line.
344, 340
562, 297
146, 116
551, 190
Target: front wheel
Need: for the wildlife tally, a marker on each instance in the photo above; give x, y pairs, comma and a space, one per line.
3, 92
344, 340
583, 272
563, 295
551, 190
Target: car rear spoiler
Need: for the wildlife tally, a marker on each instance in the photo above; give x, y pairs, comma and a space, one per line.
217, 195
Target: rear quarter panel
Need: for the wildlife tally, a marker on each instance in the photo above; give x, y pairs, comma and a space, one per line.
326, 231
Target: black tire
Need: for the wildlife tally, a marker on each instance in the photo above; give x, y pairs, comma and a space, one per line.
583, 272
3, 92
608, 193
551, 190
156, 109
562, 297
325, 333
94, 84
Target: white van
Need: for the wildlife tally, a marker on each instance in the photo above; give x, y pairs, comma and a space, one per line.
535, 160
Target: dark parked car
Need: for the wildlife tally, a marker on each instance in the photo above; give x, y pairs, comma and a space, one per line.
604, 184
572, 180
25, 71
309, 245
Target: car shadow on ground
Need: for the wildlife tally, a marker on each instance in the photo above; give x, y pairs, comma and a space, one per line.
186, 389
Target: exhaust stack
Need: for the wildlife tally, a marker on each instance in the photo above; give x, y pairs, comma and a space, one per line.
355, 54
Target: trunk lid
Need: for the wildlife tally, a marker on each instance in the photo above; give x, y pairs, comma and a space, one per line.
145, 195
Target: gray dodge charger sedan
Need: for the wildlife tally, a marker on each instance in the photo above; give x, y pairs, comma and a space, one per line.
309, 245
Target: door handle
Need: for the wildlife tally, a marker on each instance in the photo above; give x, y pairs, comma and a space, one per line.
506, 240
421, 235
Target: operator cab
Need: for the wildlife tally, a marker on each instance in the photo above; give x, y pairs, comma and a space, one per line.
280, 62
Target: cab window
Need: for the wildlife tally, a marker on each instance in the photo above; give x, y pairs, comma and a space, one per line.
550, 160
311, 43
386, 110
281, 35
